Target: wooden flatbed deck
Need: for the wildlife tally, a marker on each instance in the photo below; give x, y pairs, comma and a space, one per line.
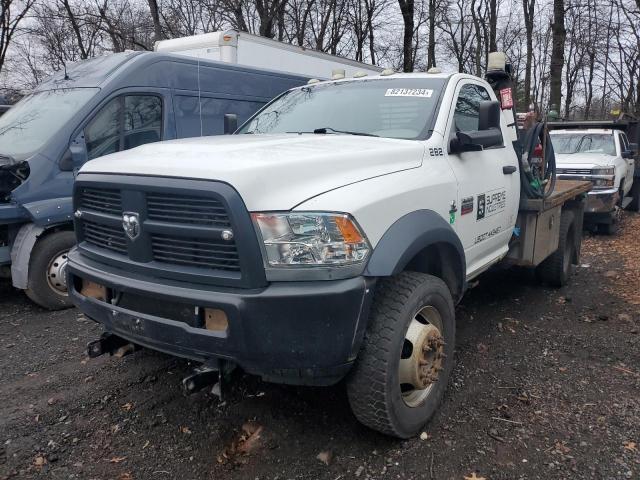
565, 190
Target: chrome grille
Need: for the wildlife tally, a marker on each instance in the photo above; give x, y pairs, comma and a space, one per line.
101, 200
573, 171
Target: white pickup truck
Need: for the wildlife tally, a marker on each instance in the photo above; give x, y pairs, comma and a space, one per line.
330, 237
606, 158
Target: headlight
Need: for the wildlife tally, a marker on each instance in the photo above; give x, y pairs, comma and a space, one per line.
603, 171
311, 238
602, 182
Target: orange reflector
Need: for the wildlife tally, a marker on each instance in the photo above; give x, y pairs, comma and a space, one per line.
94, 290
215, 319
227, 38
348, 230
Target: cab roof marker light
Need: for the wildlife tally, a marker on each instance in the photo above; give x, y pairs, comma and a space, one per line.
338, 74
387, 71
434, 70
360, 74
312, 81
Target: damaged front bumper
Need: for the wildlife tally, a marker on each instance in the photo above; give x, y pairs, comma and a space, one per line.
288, 332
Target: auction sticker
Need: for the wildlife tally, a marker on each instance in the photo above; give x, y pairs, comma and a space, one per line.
409, 92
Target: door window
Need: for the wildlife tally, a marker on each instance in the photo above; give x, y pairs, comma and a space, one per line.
467, 112
624, 142
125, 122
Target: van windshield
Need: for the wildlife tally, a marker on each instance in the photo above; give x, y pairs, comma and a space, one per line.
35, 119
392, 108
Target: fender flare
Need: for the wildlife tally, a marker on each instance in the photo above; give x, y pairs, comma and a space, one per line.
21, 254
408, 236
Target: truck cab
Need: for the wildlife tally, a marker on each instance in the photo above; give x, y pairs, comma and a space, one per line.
605, 158
329, 238
97, 107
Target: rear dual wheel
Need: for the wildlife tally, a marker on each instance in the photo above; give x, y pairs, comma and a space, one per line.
402, 370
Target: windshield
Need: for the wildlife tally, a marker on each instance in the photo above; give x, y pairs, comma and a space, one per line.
392, 108
583, 143
26, 127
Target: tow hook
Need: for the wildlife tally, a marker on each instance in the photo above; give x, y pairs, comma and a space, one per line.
202, 377
111, 344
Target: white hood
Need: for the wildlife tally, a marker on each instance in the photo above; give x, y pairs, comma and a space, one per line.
584, 160
271, 172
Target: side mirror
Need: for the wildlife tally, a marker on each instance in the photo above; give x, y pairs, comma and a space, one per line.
476, 140
627, 154
489, 115
633, 147
230, 123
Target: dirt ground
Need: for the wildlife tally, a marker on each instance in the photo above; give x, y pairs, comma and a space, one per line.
546, 386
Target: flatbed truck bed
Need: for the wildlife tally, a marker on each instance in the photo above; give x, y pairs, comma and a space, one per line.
539, 229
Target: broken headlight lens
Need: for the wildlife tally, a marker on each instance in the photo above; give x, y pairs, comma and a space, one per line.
311, 238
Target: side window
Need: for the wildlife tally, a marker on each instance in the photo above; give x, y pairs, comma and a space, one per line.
187, 111
125, 122
102, 134
466, 114
214, 109
142, 120
624, 142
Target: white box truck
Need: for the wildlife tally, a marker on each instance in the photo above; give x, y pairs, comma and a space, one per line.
243, 48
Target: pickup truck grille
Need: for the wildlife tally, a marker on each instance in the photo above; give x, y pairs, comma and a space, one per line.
102, 200
105, 236
179, 228
195, 252
187, 209
573, 171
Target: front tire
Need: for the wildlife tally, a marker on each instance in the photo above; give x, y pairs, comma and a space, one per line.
634, 206
47, 283
406, 357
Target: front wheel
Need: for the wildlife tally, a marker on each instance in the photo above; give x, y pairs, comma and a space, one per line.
406, 358
634, 206
47, 285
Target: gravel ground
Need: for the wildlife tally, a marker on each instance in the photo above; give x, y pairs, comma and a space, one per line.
546, 386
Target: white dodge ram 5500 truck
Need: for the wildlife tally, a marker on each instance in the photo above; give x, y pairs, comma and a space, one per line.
330, 237
605, 158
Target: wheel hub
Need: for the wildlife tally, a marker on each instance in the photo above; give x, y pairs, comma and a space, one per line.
56, 273
423, 356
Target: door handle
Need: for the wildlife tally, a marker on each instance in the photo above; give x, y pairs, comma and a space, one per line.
509, 169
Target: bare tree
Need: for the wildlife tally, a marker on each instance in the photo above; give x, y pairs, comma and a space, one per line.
557, 53
12, 12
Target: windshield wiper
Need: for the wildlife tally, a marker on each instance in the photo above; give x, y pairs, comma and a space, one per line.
325, 130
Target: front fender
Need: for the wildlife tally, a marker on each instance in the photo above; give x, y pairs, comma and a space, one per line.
45, 213
408, 236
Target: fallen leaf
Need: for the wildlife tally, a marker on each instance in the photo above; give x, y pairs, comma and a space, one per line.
424, 436
326, 456
482, 348
245, 443
125, 476
185, 430
563, 369
127, 406
39, 461
117, 459
473, 476
146, 444
562, 448
630, 446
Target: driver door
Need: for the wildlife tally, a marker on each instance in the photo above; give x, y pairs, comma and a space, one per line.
487, 194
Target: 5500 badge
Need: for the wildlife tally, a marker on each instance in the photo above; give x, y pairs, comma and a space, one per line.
491, 203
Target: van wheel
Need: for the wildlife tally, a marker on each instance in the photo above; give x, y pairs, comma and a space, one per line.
634, 206
556, 269
406, 357
47, 283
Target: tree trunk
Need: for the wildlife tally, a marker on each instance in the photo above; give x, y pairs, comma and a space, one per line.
155, 15
407, 7
559, 35
529, 12
431, 46
493, 25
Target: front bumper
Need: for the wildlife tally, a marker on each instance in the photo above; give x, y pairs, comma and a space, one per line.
288, 332
601, 201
